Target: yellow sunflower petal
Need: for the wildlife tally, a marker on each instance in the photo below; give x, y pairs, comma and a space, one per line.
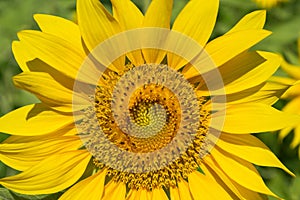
246, 70
114, 190
251, 77
253, 118
174, 193
47, 47
242, 172
284, 132
253, 20
266, 93
196, 20
95, 22
249, 194
157, 15
33, 120
283, 80
184, 190
23, 155
141, 194
96, 25
251, 149
22, 55
296, 139
224, 48
292, 70
46, 89
211, 169
51, 175
238, 192
204, 187
50, 91
292, 92
89, 188
293, 106
67, 30
69, 130
159, 194
132, 19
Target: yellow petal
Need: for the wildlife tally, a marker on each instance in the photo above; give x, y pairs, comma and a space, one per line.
254, 118
296, 139
96, 25
158, 15
141, 194
89, 188
196, 20
114, 190
184, 190
266, 93
253, 20
204, 187
293, 106
224, 48
174, 193
159, 194
46, 89
95, 22
228, 46
242, 172
250, 149
33, 120
67, 30
52, 175
211, 169
284, 132
47, 47
132, 19
292, 92
292, 70
50, 91
249, 194
283, 80
246, 70
32, 150
22, 55
252, 76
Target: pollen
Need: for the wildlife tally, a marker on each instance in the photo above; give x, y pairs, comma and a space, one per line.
147, 126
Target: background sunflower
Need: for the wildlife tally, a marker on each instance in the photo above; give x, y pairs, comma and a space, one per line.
284, 20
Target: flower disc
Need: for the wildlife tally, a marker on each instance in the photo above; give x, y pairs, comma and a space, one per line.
149, 118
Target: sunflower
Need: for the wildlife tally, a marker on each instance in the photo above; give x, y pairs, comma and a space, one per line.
132, 108
293, 96
268, 3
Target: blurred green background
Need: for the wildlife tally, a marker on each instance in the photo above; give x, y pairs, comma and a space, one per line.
283, 20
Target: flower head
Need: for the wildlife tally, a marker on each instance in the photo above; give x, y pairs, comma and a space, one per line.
133, 109
293, 95
268, 3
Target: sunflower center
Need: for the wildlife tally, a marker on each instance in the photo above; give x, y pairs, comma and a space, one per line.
147, 126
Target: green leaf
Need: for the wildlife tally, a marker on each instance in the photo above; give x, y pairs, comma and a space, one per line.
5, 194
